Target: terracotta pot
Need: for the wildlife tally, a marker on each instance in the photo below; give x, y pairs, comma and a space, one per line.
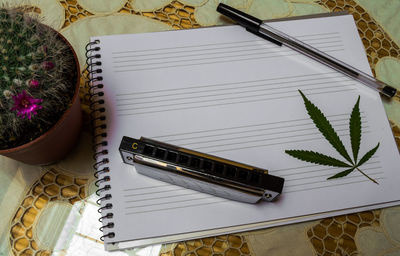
54, 144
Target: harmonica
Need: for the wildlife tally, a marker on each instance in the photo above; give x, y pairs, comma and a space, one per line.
199, 171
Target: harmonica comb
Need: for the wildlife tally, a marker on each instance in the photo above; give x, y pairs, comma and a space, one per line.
199, 171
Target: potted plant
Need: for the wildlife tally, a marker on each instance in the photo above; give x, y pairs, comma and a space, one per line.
40, 115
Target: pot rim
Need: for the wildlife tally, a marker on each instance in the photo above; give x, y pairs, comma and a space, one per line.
63, 116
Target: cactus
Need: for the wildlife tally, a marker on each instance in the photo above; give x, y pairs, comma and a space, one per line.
37, 77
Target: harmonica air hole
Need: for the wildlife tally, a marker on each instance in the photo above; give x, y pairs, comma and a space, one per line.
195, 162
242, 175
183, 159
171, 156
207, 166
160, 153
148, 150
219, 168
254, 178
230, 171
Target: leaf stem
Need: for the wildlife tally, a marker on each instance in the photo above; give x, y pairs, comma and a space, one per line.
371, 179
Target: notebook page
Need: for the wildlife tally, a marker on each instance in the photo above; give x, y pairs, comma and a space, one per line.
227, 92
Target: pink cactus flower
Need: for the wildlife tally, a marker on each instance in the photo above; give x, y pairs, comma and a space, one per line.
25, 105
47, 65
33, 83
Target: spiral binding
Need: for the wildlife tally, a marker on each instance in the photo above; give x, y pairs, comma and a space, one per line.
93, 82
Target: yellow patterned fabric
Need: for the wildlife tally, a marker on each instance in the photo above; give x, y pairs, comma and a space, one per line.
52, 211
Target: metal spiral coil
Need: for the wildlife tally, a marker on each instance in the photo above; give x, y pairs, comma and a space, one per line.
109, 235
108, 225
107, 216
105, 188
104, 198
93, 83
105, 179
107, 206
104, 170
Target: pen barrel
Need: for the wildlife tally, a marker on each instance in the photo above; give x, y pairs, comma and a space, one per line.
327, 60
385, 89
250, 22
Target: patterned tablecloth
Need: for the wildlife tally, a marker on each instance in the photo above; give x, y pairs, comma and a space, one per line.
51, 210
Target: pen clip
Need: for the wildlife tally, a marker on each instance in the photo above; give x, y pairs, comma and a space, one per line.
265, 37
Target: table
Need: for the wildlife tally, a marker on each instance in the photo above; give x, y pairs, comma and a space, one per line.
51, 210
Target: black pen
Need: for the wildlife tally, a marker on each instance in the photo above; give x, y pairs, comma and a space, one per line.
256, 26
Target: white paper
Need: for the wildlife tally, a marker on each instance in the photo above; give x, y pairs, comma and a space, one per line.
227, 92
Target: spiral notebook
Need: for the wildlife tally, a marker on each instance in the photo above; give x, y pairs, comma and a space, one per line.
229, 93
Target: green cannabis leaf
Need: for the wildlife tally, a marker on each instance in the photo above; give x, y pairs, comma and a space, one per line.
355, 129
324, 126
